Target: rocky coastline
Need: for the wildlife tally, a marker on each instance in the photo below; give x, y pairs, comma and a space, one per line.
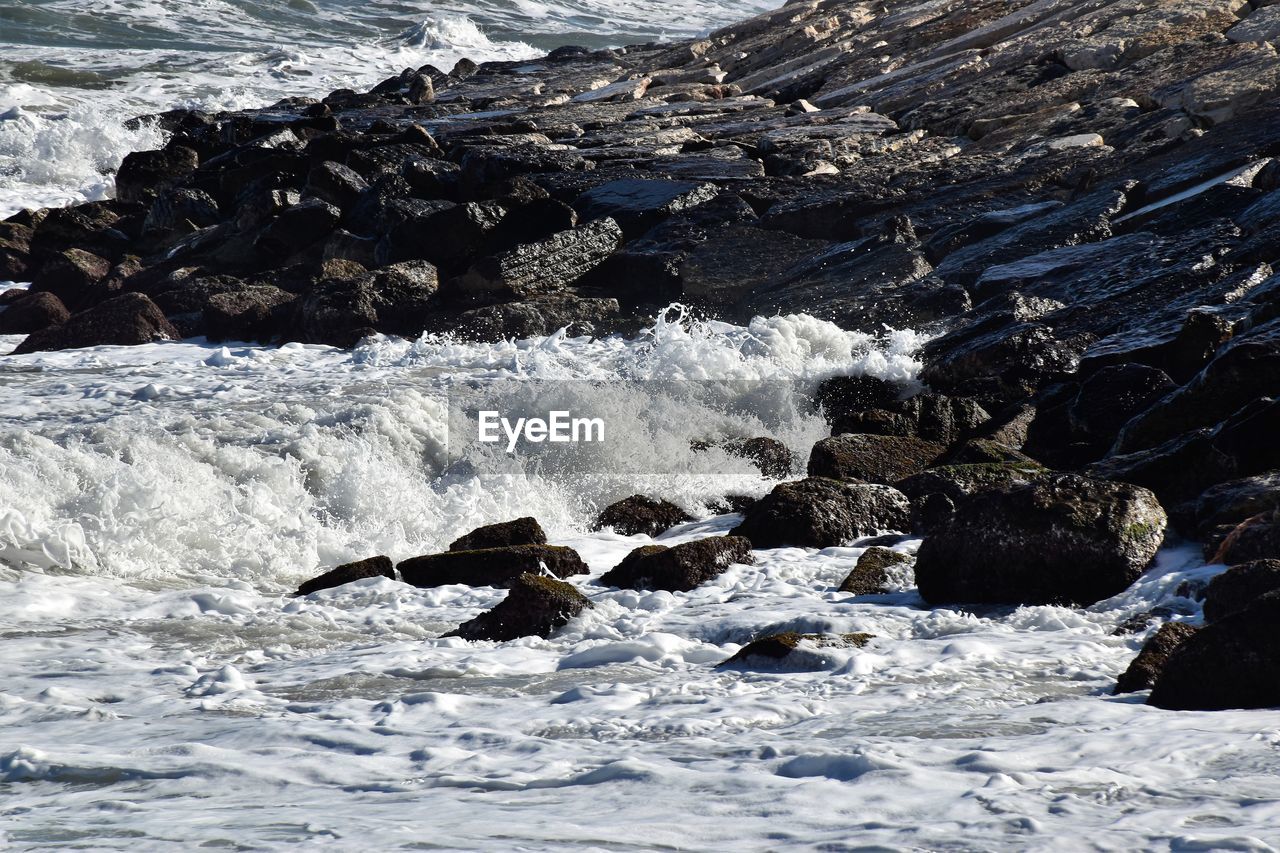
1077, 200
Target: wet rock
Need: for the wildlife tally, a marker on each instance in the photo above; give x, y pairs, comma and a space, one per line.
931, 417
640, 515
1114, 395
1145, 668
540, 268
679, 568
872, 458
840, 396
1233, 663
539, 316
1058, 539
252, 313
960, 480
126, 320
998, 360
1240, 586
638, 204
772, 457
981, 451
871, 574
1255, 538
181, 211
738, 260
336, 184
373, 567
818, 512
1234, 501
298, 227
143, 174
536, 606
521, 531
443, 233
490, 566
31, 313
793, 651
72, 276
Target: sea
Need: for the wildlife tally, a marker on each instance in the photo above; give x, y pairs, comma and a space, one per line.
160, 687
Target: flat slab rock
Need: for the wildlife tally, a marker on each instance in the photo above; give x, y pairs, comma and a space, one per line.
490, 566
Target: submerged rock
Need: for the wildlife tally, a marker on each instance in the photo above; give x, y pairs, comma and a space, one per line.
536, 606
793, 651
1145, 668
640, 515
872, 458
521, 531
871, 574
372, 567
819, 512
490, 566
679, 568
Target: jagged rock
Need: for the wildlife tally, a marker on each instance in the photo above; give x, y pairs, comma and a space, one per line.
981, 451
871, 574
1238, 587
738, 260
521, 531
31, 313
342, 308
818, 512
540, 268
844, 395
126, 320
1234, 663
336, 184
998, 359
932, 417
181, 211
1145, 668
373, 567
638, 204
960, 480
872, 458
1233, 501
1058, 539
297, 227
640, 515
772, 457
1112, 396
490, 566
536, 606
539, 316
679, 568
793, 651
443, 233
143, 174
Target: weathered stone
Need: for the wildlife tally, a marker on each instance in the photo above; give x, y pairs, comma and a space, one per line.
871, 574
640, 515
31, 313
738, 260
373, 567
931, 417
772, 457
821, 513
336, 184
1240, 586
872, 458
638, 204
793, 651
298, 227
144, 173
126, 320
536, 606
490, 566
540, 268
538, 316
521, 531
252, 313
679, 568
1145, 668
71, 275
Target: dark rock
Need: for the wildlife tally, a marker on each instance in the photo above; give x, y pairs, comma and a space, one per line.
144, 173
982, 226
539, 268
536, 606
72, 276
1145, 668
1058, 539
872, 458
1234, 663
1238, 587
373, 567
998, 359
871, 574
31, 313
298, 227
252, 313
539, 316
840, 396
490, 566
529, 221
522, 531
932, 417
772, 457
739, 260
181, 211
793, 651
679, 568
638, 204
640, 515
1234, 501
336, 184
444, 234
821, 513
1255, 538
126, 320
981, 451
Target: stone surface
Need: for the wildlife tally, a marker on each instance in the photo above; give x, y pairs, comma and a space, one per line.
872, 458
490, 566
1238, 587
373, 567
871, 574
793, 651
1143, 670
126, 320
679, 568
820, 513
639, 514
521, 531
535, 606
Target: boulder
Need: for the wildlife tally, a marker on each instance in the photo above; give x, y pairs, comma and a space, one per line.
739, 260
521, 531
1232, 502
679, 568
792, 651
372, 567
1255, 538
1238, 587
932, 417
298, 227
1145, 668
1233, 663
143, 174
772, 457
72, 275
539, 316
254, 312
336, 184
872, 458
490, 566
31, 313
1058, 539
640, 515
819, 512
638, 204
871, 574
539, 268
126, 320
536, 606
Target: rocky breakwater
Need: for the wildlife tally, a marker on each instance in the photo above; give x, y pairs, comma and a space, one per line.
1076, 199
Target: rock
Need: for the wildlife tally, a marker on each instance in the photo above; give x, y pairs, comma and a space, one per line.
1233, 663
1114, 395
443, 233
536, 606
1238, 587
998, 359
540, 268
126, 320
871, 574
818, 512
31, 313
1263, 25
931, 417
1233, 501
539, 316
841, 396
490, 566
738, 260
640, 515
1058, 539
298, 227
373, 567
521, 531
336, 184
1146, 667
872, 458
180, 211
638, 204
961, 480
253, 313
1255, 538
72, 276
679, 568
793, 651
772, 457
143, 174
